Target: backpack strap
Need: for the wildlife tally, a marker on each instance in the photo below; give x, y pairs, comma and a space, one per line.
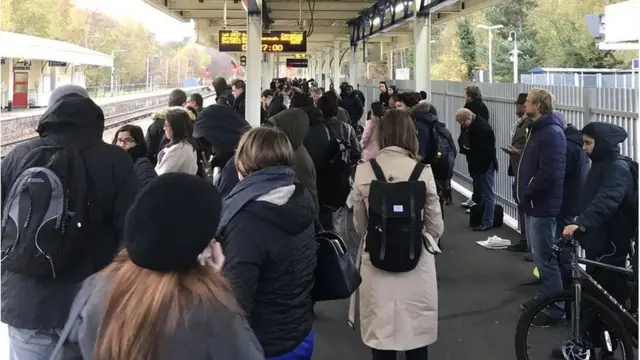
377, 171
417, 171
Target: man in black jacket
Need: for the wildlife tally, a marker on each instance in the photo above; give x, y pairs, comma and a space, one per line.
353, 105
478, 143
239, 95
155, 131
36, 308
604, 227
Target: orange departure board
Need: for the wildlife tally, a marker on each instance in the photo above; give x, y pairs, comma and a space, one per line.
272, 42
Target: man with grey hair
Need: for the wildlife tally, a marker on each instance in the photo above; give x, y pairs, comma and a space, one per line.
36, 306
478, 143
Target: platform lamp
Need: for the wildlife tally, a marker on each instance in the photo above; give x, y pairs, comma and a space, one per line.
113, 69
513, 36
490, 28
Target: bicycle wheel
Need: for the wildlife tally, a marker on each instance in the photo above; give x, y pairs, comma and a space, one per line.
612, 323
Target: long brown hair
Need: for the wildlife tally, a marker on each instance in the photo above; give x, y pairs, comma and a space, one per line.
142, 307
397, 128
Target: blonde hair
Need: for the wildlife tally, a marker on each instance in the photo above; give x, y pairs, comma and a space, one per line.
261, 148
143, 307
397, 128
463, 114
544, 99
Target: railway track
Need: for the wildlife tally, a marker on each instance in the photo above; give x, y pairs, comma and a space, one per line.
111, 122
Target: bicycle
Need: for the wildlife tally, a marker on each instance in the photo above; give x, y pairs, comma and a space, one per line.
617, 318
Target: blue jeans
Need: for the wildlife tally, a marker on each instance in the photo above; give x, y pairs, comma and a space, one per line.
302, 352
565, 255
541, 233
29, 344
485, 182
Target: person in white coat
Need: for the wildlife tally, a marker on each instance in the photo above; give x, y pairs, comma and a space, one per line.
180, 154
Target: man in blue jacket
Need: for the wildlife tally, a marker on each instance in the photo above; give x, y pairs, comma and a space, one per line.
539, 185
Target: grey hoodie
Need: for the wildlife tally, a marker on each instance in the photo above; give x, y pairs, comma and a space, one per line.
209, 333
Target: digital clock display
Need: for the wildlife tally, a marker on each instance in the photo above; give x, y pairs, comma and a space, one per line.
272, 42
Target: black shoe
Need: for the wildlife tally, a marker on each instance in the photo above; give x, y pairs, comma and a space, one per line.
519, 247
605, 355
482, 228
543, 320
528, 258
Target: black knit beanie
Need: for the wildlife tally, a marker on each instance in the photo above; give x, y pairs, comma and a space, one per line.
171, 222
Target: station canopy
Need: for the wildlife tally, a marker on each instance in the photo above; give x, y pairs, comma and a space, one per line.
20, 46
324, 21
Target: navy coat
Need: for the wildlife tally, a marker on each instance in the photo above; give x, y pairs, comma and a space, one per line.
540, 177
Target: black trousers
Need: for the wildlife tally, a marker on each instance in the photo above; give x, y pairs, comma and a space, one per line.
415, 354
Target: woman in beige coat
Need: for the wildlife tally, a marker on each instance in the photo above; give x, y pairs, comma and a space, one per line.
398, 311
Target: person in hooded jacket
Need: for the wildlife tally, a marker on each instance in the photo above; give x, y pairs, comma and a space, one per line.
317, 141
217, 131
268, 237
36, 308
603, 227
192, 313
575, 174
155, 132
131, 139
295, 125
224, 95
539, 193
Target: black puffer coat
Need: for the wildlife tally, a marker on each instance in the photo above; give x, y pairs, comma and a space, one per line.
270, 251
144, 168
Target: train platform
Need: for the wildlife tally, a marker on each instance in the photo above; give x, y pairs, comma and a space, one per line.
480, 293
24, 113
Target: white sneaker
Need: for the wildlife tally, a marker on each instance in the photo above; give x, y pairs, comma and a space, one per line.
468, 211
467, 203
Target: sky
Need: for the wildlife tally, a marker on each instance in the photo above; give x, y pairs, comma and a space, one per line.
164, 26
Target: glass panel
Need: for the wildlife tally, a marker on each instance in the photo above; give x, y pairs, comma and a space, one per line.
22, 77
21, 88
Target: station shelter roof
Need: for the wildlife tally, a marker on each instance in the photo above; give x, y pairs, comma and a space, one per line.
20, 46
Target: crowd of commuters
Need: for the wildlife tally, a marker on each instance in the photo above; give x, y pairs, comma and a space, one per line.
160, 258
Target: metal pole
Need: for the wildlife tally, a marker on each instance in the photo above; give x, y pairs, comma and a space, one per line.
253, 72
353, 67
336, 66
515, 63
490, 56
147, 84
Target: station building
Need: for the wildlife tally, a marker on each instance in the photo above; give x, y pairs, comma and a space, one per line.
31, 67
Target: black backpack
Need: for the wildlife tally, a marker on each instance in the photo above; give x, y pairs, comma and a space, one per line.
334, 185
443, 150
48, 213
394, 234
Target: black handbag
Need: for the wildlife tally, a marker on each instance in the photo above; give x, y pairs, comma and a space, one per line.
336, 276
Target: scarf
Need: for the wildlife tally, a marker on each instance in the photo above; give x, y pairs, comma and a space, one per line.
252, 187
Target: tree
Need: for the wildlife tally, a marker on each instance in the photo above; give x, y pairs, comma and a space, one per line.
449, 64
30, 17
563, 37
467, 43
513, 15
